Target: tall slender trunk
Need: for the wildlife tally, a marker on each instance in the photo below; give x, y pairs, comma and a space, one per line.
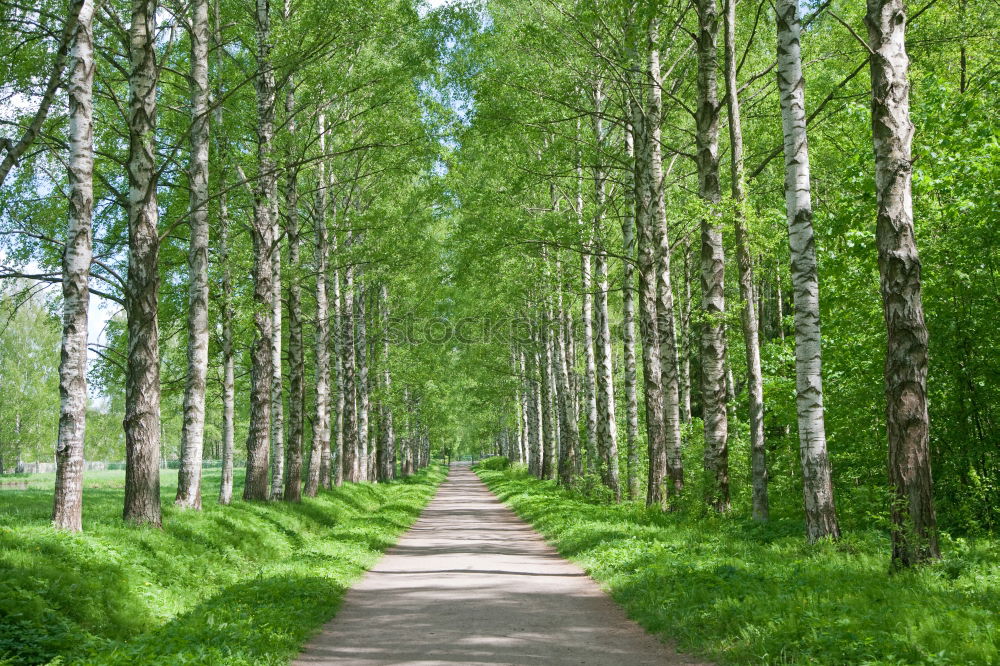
587, 314
228, 363
262, 234
543, 425
607, 426
334, 452
321, 422
817, 487
685, 336
277, 386
193, 430
142, 375
570, 428
349, 457
665, 326
387, 443
573, 385
292, 481
628, 326
549, 423
652, 375
408, 443
361, 386
713, 332
67, 509
914, 525
751, 339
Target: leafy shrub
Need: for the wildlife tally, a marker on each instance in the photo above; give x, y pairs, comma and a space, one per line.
494, 464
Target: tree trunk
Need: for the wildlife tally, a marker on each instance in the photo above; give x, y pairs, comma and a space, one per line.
751, 339
628, 326
665, 327
292, 481
587, 313
549, 424
228, 364
193, 430
570, 428
387, 443
262, 233
361, 358
713, 333
349, 454
332, 470
914, 525
142, 375
817, 487
652, 375
607, 426
321, 424
685, 337
67, 510
277, 387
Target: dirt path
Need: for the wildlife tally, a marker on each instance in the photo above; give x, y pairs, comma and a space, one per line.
472, 583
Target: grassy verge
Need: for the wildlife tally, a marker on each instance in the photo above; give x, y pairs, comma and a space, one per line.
244, 584
739, 592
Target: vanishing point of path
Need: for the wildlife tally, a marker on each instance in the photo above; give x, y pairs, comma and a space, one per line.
471, 583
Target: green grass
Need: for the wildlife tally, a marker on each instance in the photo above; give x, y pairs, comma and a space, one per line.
739, 592
244, 584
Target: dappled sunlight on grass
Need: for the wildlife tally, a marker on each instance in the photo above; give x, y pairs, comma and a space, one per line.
741, 592
244, 584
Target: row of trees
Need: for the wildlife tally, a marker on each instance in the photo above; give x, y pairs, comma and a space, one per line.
632, 118
212, 144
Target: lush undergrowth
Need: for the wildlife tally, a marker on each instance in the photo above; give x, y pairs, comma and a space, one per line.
244, 584
739, 592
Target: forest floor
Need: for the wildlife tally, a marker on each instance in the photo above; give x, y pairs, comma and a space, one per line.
243, 584
471, 583
740, 592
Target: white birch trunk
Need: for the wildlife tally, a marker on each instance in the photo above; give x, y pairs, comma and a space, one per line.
817, 487
67, 511
713, 333
749, 318
193, 430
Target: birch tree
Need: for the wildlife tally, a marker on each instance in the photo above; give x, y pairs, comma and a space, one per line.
67, 511
193, 432
914, 524
817, 486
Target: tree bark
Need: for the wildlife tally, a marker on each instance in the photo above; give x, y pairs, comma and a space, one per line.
587, 313
228, 363
570, 428
292, 481
349, 457
628, 326
277, 386
652, 375
751, 339
334, 452
321, 424
607, 426
193, 430
142, 375
361, 386
262, 233
387, 443
713, 333
665, 326
67, 510
817, 487
914, 525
